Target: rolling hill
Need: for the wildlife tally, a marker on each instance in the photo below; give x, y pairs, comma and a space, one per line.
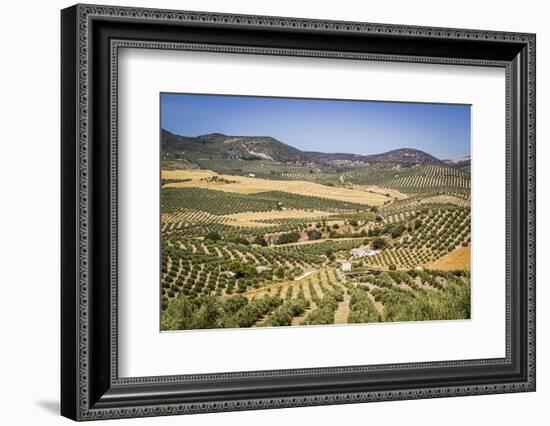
244, 147
401, 155
269, 148
461, 162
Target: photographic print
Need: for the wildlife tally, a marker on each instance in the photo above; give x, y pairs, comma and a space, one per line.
306, 212
313, 211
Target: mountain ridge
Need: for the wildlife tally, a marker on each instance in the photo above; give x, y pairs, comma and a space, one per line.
269, 148
401, 155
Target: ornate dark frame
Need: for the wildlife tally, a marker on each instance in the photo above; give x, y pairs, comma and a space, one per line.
91, 37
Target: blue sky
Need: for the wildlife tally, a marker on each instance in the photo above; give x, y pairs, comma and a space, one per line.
359, 127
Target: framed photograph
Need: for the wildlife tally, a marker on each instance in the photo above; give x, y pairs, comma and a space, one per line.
263, 212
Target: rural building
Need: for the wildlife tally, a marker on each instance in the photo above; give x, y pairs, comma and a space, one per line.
251, 175
362, 252
346, 266
261, 268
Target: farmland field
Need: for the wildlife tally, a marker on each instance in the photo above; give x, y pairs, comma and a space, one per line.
251, 185
240, 251
256, 233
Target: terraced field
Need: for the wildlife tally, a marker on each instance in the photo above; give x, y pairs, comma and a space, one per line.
418, 179
428, 237
329, 297
428, 177
264, 169
257, 243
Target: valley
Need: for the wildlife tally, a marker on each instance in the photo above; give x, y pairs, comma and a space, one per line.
256, 233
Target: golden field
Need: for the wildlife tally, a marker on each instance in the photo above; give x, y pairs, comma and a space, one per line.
457, 259
252, 185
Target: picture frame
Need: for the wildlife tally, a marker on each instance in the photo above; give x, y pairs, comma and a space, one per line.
91, 37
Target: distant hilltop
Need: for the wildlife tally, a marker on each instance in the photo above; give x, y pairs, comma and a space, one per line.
401, 155
461, 162
269, 148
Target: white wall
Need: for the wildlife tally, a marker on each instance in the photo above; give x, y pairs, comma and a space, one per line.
29, 225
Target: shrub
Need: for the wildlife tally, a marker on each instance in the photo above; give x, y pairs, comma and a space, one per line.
290, 237
314, 235
280, 272
324, 313
362, 309
212, 236
379, 243
397, 230
283, 315
240, 240
242, 270
260, 240
373, 232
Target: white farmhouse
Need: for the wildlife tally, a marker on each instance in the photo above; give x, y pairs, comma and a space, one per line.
362, 252
346, 266
251, 175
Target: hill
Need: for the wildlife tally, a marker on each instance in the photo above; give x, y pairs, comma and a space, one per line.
461, 162
401, 155
269, 148
244, 147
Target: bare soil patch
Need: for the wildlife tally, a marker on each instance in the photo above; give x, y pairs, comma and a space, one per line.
457, 259
254, 219
342, 312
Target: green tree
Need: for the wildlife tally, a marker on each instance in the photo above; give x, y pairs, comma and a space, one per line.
379, 243
314, 235
242, 270
240, 240
397, 230
260, 240
290, 237
280, 272
212, 236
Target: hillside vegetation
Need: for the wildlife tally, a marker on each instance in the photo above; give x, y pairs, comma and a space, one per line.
256, 233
